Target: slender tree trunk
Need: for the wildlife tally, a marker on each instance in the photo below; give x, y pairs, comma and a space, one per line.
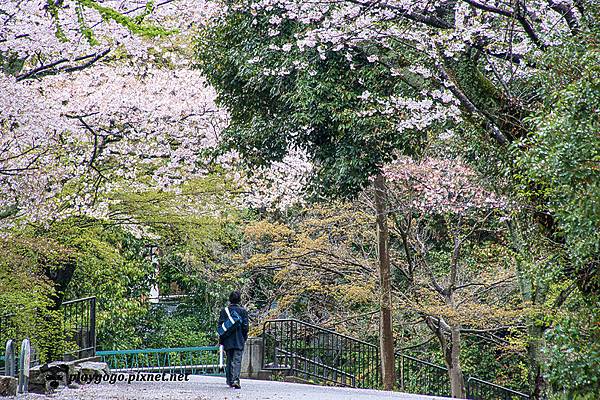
386, 336
535, 294
457, 382
450, 345
537, 382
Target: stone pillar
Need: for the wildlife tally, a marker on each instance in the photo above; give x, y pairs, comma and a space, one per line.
252, 360
10, 361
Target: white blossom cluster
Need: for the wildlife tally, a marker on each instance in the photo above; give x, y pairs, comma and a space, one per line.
107, 124
31, 31
139, 117
279, 186
438, 30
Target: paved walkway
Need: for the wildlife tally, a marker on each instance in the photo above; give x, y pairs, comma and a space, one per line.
214, 388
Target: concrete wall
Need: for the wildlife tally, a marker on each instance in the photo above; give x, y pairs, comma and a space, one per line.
252, 360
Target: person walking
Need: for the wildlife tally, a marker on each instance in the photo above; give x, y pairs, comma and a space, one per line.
234, 339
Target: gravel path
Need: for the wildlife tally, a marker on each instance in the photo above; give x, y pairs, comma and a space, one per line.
214, 388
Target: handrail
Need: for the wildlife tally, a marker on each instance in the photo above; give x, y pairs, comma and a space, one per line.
337, 371
158, 350
290, 339
468, 380
318, 328
505, 389
320, 364
203, 360
167, 368
77, 300
422, 362
307, 346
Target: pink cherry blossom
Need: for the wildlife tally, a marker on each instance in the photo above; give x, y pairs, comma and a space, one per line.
439, 186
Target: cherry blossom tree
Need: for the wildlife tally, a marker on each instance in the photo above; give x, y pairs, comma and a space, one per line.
428, 45
103, 129
42, 37
456, 272
100, 97
117, 106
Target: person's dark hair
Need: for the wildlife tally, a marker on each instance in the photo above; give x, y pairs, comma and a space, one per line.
235, 297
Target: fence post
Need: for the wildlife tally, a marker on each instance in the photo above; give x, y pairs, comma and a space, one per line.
10, 362
24, 364
275, 355
468, 387
401, 372
221, 364
93, 326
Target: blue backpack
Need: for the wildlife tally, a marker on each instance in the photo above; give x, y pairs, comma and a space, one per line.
232, 323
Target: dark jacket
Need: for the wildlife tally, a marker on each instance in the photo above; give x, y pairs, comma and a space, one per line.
237, 338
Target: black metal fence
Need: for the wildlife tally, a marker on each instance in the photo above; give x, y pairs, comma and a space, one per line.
327, 357
418, 376
422, 377
478, 389
79, 318
320, 355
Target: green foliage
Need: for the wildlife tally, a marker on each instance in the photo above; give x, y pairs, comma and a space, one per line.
562, 155
162, 329
573, 354
135, 25
27, 296
316, 109
85, 29
495, 362
111, 265
53, 9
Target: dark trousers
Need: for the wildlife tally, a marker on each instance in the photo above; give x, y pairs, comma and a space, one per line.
234, 365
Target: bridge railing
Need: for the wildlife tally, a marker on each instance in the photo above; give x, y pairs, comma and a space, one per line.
309, 369
478, 389
182, 360
422, 377
322, 355
327, 357
79, 318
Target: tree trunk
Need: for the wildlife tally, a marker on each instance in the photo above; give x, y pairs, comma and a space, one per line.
457, 382
61, 277
533, 290
537, 382
386, 336
450, 346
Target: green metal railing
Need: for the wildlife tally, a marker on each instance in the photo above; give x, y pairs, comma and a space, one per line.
205, 360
